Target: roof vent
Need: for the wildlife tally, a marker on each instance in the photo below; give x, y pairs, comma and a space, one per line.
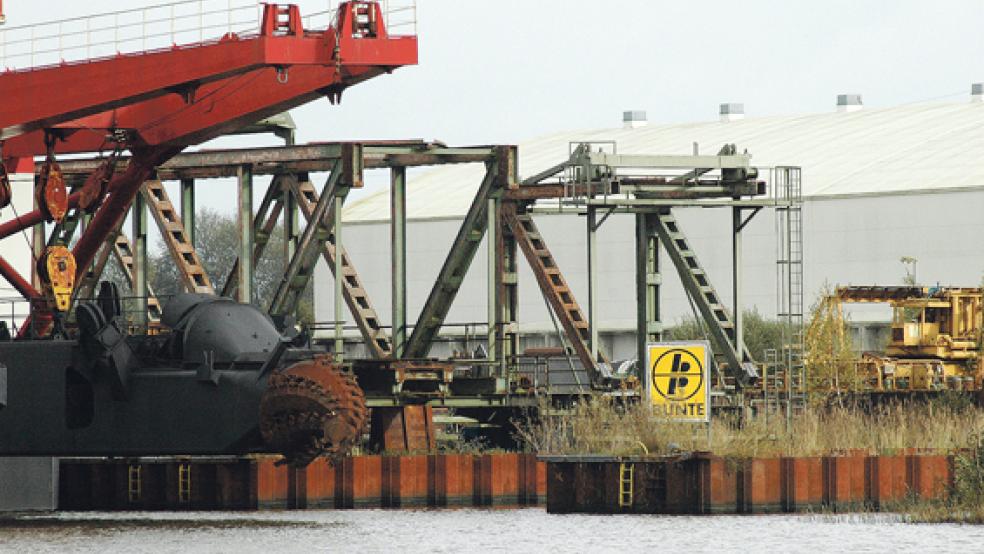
634, 118
848, 102
732, 111
977, 92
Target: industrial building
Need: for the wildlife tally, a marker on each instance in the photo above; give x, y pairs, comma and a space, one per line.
879, 184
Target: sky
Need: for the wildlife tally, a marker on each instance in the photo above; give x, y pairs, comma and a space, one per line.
508, 70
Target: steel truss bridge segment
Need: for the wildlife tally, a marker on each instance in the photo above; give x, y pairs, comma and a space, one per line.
649, 186
499, 177
190, 94
306, 158
555, 289
290, 165
353, 291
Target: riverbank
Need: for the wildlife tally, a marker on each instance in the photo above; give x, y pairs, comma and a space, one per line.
923, 459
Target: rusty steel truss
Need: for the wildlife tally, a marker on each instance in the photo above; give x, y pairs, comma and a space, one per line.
502, 215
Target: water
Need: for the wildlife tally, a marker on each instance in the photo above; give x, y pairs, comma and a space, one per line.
472, 531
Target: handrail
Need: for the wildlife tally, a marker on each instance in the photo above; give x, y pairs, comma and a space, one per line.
155, 27
397, 14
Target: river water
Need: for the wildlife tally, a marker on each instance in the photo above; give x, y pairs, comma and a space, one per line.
472, 531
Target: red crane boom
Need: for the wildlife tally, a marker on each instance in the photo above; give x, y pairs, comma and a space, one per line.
159, 102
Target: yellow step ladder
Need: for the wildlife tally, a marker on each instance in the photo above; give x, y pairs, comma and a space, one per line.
626, 475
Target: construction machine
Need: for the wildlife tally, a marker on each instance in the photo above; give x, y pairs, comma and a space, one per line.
935, 341
217, 378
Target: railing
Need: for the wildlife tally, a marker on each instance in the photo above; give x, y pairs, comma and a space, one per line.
158, 27
399, 16
155, 27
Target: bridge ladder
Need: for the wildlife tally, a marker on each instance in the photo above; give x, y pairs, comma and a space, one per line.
698, 285
176, 238
353, 290
554, 287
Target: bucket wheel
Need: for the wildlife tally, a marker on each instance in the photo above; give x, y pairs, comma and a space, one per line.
313, 408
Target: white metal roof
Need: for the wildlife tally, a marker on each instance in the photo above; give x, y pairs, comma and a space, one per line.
911, 148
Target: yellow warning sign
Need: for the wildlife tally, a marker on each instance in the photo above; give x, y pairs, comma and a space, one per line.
678, 380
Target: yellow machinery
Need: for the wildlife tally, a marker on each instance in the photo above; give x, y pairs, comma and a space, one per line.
935, 341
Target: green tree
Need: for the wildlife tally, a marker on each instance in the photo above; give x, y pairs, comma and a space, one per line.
760, 333
217, 243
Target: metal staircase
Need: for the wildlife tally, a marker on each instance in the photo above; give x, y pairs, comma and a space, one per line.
300, 268
554, 287
173, 232
118, 245
705, 297
353, 291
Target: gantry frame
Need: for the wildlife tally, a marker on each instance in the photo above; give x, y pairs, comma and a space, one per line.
502, 214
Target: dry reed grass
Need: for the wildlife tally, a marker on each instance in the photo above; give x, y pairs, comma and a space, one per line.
604, 427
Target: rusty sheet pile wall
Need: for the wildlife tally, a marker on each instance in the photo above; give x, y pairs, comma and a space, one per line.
708, 484
439, 480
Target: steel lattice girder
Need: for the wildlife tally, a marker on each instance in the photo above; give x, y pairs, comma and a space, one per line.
353, 291
277, 160
453, 271
697, 284
300, 269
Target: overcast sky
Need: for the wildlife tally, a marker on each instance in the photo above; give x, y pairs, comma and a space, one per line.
503, 71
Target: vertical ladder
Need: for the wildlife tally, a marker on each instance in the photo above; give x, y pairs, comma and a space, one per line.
554, 287
353, 291
184, 483
698, 286
626, 484
134, 482
173, 232
789, 265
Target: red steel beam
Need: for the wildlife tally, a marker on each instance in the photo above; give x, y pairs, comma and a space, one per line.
44, 97
31, 218
123, 189
14, 278
244, 85
163, 125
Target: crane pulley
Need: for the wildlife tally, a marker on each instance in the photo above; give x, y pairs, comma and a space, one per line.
51, 196
6, 194
97, 184
57, 268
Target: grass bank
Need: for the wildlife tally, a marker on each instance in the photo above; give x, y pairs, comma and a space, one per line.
604, 427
